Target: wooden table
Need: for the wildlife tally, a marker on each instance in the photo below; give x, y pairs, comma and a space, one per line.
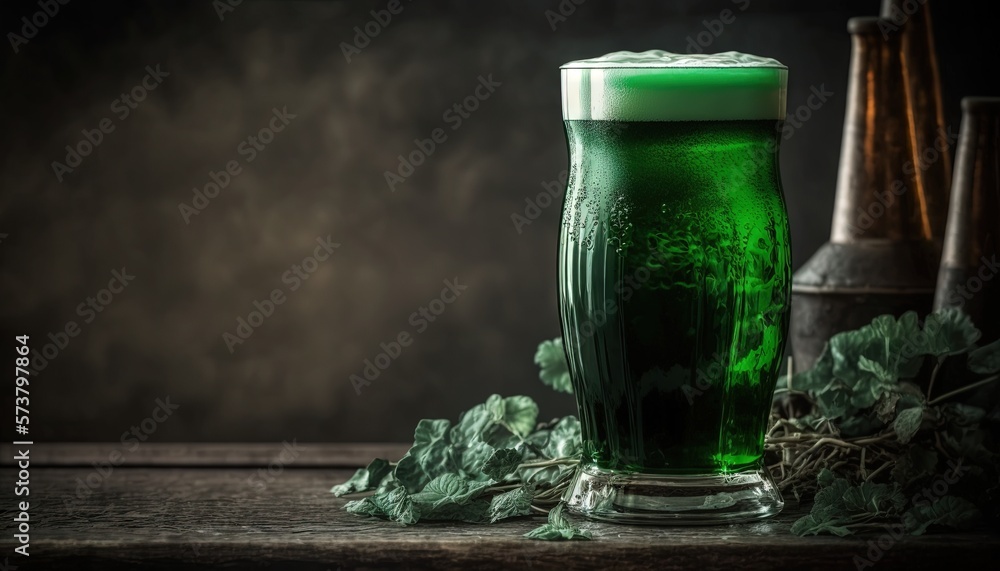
177, 506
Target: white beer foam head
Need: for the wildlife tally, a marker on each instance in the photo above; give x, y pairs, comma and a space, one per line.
661, 86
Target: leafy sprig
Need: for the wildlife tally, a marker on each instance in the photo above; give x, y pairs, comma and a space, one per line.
495, 463
558, 527
895, 424
551, 360
874, 423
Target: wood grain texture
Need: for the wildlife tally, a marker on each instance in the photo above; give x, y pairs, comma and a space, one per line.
181, 518
309, 454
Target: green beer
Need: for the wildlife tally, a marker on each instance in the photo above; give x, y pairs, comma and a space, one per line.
674, 281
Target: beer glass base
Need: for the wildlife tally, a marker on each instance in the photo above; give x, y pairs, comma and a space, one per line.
659, 499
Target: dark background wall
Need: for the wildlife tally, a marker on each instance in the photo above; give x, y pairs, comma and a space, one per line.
323, 175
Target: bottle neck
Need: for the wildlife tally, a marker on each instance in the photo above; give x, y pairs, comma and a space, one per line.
971, 239
892, 181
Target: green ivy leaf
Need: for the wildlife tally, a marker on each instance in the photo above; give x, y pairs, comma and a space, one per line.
473, 459
557, 528
830, 495
949, 332
565, 440
822, 520
828, 514
500, 422
877, 499
502, 463
907, 423
443, 489
409, 474
897, 331
449, 489
389, 483
395, 506
885, 408
847, 349
430, 456
948, 511
818, 377
866, 366
398, 507
431, 432
514, 503
835, 400
869, 390
520, 415
909, 399
364, 479
364, 506
986, 359
472, 425
902, 337
837, 502
551, 359
877, 369
886, 341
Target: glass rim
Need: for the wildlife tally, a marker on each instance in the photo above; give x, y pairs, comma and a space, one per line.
666, 62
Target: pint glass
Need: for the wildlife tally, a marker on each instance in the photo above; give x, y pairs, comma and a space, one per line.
674, 282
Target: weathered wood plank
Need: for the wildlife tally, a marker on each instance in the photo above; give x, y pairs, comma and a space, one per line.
309, 454
170, 518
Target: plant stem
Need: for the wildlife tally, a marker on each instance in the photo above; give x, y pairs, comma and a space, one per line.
873, 439
553, 492
553, 462
860, 519
963, 389
934, 374
504, 488
791, 392
876, 472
